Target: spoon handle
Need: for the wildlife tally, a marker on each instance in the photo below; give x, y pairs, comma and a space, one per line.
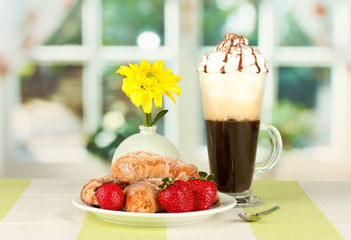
268, 211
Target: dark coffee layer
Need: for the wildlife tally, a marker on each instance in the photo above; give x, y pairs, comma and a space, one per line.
232, 149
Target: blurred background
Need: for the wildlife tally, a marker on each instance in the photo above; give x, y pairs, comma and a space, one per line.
63, 112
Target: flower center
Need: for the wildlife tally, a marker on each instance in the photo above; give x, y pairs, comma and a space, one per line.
150, 75
151, 81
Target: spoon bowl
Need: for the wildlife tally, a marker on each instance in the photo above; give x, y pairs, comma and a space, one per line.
255, 217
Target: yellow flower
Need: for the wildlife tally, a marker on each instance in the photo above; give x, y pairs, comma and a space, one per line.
146, 82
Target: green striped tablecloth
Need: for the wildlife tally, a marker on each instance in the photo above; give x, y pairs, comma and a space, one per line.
42, 209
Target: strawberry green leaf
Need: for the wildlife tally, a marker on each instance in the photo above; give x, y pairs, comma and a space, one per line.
166, 182
203, 175
210, 177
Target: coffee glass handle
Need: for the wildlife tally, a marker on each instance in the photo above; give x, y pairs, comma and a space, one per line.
277, 148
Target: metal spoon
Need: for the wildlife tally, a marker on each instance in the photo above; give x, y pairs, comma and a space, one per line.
255, 217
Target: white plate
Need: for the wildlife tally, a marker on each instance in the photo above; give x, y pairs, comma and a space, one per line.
157, 219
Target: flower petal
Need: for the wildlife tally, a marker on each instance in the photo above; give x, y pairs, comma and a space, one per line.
138, 97
147, 104
123, 70
170, 96
174, 89
158, 100
158, 66
145, 66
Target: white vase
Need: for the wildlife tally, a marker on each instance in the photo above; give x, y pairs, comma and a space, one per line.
147, 140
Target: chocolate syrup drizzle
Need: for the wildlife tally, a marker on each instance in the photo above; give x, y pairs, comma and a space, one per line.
223, 69
205, 67
231, 43
253, 53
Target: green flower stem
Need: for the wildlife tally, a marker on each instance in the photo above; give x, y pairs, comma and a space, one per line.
147, 120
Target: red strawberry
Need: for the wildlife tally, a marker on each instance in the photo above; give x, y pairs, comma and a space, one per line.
205, 191
176, 196
110, 196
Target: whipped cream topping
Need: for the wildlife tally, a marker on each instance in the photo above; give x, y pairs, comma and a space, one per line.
232, 55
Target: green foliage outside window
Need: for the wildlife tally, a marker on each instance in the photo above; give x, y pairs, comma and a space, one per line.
123, 21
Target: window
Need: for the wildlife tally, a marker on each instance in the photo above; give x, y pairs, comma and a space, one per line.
301, 112
307, 94
308, 83
120, 27
70, 101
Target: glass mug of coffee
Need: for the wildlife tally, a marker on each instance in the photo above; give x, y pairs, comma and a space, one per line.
232, 90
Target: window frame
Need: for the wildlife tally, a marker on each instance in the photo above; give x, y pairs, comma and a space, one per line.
183, 31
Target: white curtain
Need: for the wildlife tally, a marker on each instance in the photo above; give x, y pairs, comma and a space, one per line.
24, 24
